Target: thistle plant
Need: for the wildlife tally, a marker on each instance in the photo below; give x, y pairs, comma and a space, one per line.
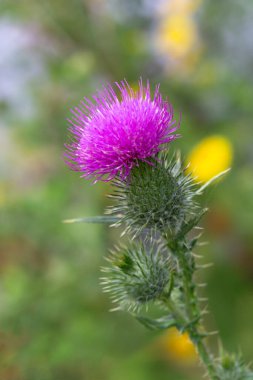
123, 136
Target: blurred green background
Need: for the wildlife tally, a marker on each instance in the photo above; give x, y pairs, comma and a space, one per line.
54, 318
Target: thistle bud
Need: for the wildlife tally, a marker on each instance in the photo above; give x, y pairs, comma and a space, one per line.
232, 367
158, 195
136, 276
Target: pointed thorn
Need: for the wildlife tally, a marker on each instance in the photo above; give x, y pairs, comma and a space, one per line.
203, 243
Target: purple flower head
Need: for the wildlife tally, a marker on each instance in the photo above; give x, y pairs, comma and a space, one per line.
110, 134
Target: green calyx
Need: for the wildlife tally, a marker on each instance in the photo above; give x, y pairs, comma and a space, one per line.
154, 197
157, 195
232, 367
136, 277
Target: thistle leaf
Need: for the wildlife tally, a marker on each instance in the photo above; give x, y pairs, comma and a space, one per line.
157, 324
203, 187
189, 225
93, 219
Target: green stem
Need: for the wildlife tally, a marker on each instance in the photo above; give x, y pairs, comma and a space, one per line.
203, 352
190, 321
207, 359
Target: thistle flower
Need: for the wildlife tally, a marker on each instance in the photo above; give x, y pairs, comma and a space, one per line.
111, 134
136, 277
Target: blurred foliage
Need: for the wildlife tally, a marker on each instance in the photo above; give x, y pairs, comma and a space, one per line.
54, 318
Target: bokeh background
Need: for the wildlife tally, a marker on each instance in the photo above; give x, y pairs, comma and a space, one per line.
54, 319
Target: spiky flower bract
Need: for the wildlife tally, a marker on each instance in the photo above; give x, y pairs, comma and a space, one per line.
232, 367
158, 196
137, 276
112, 133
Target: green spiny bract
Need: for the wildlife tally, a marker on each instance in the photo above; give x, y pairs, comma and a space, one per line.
232, 367
137, 275
157, 195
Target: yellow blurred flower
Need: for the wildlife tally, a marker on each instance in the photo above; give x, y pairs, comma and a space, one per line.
210, 157
176, 35
176, 38
178, 346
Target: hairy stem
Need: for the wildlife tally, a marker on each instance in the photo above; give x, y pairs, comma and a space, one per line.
190, 320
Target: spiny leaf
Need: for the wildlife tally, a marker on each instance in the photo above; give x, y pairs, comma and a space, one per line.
203, 187
93, 219
157, 324
188, 226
